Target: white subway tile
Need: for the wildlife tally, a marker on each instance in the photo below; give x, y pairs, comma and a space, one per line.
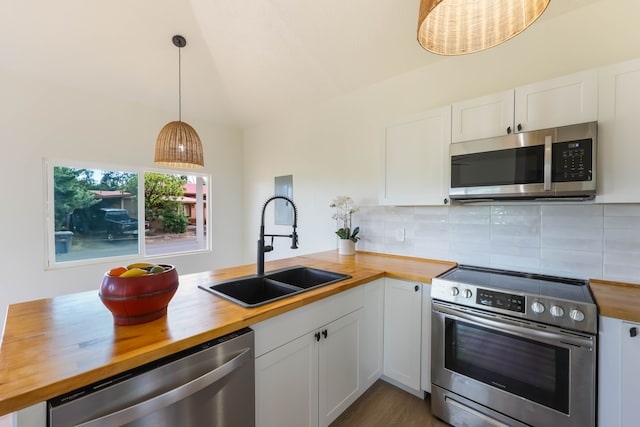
571, 210
622, 240
517, 210
622, 210
571, 263
572, 240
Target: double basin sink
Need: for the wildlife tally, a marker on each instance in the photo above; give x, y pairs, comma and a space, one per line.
253, 291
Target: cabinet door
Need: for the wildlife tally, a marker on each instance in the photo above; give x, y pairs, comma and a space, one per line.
287, 385
372, 333
339, 370
618, 147
610, 373
402, 329
425, 367
415, 169
630, 373
561, 101
484, 117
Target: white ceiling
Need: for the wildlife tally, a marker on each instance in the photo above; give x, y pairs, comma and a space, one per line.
245, 60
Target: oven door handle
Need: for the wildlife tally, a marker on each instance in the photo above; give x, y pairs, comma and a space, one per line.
506, 325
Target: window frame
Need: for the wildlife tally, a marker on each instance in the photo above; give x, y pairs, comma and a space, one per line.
49, 212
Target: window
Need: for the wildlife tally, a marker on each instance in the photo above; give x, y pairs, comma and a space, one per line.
109, 212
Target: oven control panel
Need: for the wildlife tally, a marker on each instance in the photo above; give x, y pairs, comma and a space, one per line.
501, 300
533, 307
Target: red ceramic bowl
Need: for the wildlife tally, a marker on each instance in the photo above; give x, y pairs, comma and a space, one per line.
141, 299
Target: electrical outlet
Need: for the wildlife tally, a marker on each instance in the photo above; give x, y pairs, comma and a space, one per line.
400, 234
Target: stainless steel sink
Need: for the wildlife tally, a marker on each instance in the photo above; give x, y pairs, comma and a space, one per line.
253, 291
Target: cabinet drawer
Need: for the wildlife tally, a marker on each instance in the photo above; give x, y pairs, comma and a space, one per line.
279, 330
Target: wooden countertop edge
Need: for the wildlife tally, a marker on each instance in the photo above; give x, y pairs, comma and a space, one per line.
11, 403
49, 391
616, 299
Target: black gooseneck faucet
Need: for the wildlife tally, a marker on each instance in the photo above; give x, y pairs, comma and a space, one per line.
262, 248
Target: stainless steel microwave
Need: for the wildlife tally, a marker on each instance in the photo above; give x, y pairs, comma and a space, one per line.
548, 164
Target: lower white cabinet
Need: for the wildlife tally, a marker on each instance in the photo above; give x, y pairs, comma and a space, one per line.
339, 366
287, 384
425, 359
312, 379
402, 333
618, 372
371, 339
309, 378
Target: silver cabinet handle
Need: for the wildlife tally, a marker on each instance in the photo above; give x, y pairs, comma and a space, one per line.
132, 413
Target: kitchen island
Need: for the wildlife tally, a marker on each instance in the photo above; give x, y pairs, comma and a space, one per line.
52, 346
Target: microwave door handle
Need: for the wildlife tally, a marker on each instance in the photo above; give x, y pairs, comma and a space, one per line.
547, 162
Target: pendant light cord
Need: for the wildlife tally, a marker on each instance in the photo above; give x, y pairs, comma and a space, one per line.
179, 84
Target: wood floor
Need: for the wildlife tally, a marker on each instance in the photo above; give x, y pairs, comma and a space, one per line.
384, 405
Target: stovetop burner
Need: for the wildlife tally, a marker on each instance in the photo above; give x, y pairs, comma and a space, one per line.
559, 301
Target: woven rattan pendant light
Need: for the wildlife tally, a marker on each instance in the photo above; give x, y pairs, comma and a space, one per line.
457, 27
178, 144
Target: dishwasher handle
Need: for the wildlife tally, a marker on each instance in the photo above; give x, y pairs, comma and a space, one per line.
148, 406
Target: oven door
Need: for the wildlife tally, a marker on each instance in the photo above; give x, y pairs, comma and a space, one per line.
533, 373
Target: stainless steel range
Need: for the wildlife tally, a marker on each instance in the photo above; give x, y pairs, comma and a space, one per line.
513, 349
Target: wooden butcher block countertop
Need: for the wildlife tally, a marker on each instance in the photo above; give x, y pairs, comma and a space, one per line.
53, 346
615, 299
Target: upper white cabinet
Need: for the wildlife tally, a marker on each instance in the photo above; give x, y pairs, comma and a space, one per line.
482, 117
618, 147
560, 101
415, 160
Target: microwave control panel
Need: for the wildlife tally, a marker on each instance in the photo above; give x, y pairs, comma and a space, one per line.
572, 161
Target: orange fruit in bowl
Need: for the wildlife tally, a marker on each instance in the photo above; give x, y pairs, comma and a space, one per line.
117, 271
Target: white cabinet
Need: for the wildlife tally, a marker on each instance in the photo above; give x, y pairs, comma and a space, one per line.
630, 373
415, 163
313, 362
425, 365
402, 332
339, 366
371, 344
312, 379
483, 117
560, 101
618, 372
618, 147
287, 384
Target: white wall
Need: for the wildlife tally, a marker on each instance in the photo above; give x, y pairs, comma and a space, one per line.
334, 149
40, 120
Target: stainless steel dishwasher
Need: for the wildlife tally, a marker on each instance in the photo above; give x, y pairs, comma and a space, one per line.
211, 384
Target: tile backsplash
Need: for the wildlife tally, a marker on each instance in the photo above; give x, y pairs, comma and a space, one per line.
571, 240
